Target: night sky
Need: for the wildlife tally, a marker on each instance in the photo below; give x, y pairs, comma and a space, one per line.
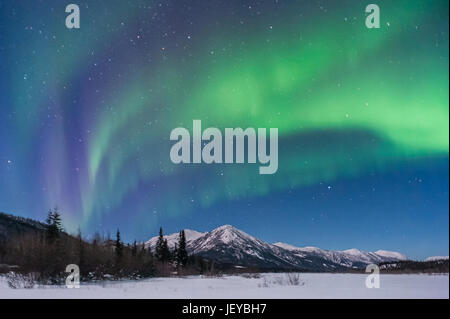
362, 114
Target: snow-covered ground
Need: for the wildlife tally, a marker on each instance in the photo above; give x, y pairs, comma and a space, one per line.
235, 287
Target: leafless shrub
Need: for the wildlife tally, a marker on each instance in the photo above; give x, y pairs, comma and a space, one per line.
278, 281
293, 279
19, 281
267, 281
264, 284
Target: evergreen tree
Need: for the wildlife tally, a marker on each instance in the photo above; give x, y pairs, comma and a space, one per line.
181, 254
162, 252
165, 252
175, 253
54, 224
57, 222
159, 249
49, 222
118, 247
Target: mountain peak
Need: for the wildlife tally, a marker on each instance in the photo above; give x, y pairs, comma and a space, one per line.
192, 233
225, 227
230, 245
227, 234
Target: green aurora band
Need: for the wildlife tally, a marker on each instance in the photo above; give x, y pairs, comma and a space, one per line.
347, 101
393, 101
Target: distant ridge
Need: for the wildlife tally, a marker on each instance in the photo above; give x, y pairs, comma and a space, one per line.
434, 258
229, 245
11, 226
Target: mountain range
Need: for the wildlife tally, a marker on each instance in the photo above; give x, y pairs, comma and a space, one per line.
231, 246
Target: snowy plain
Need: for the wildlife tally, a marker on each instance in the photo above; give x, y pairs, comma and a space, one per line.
269, 285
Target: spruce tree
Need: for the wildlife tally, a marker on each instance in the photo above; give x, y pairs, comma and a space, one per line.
175, 253
50, 230
159, 249
182, 255
54, 225
165, 252
57, 221
118, 247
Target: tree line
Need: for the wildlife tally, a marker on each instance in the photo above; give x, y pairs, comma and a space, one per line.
45, 254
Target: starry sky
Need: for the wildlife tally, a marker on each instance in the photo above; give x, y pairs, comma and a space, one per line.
362, 114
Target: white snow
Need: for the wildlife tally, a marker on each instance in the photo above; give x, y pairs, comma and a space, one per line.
390, 254
345, 257
173, 238
286, 246
312, 285
353, 251
433, 258
294, 248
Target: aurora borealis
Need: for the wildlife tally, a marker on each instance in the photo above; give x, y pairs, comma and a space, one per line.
362, 115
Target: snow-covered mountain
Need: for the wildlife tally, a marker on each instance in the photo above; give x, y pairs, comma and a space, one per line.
434, 258
231, 246
353, 258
